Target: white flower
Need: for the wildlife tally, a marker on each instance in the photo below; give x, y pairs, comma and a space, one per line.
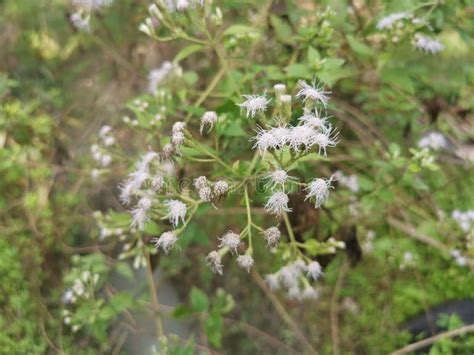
176, 211
177, 138
208, 119
434, 140
272, 281
327, 138
264, 141
178, 127
168, 150
427, 44
351, 181
146, 159
319, 189
458, 257
314, 270
132, 185
280, 134
140, 213
245, 262
200, 182
166, 241
388, 21
214, 262
254, 104
309, 293
168, 168
157, 182
182, 5
279, 88
221, 187
230, 240
106, 160
314, 92
288, 276
294, 293
157, 76
313, 120
272, 236
277, 204
285, 99
205, 193
278, 178
81, 21
300, 136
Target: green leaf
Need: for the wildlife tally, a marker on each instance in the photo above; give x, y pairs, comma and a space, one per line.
282, 29
313, 55
235, 30
121, 301
298, 71
199, 300
187, 51
124, 270
359, 47
214, 325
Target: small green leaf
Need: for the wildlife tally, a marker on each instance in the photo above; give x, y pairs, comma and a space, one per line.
199, 300
359, 47
187, 51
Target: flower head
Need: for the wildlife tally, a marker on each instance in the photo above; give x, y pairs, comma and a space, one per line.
166, 241
314, 270
168, 150
221, 187
319, 189
278, 203
265, 141
177, 138
176, 211
214, 261
280, 134
178, 127
205, 193
309, 293
272, 281
230, 240
434, 141
313, 120
327, 138
314, 92
157, 182
140, 213
200, 182
278, 177
254, 104
427, 44
245, 262
390, 20
300, 136
272, 236
208, 119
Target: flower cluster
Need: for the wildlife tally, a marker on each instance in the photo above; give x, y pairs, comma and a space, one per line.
294, 279
81, 17
99, 151
404, 23
158, 76
464, 219
434, 140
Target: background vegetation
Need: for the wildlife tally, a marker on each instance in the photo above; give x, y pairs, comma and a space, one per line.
408, 254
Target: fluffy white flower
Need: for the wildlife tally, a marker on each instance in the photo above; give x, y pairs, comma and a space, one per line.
245, 262
277, 203
230, 240
176, 211
279, 88
314, 270
205, 193
288, 276
315, 92
208, 119
168, 150
166, 241
319, 189
157, 76
214, 261
278, 177
265, 141
434, 141
132, 185
285, 99
272, 236
254, 104
146, 159
309, 293
294, 293
200, 182
140, 213
313, 120
157, 182
351, 181
301, 136
272, 281
177, 138
281, 134
427, 44
390, 20
81, 21
327, 138
221, 187
178, 126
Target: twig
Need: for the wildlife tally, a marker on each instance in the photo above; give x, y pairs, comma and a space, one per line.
428, 341
153, 295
